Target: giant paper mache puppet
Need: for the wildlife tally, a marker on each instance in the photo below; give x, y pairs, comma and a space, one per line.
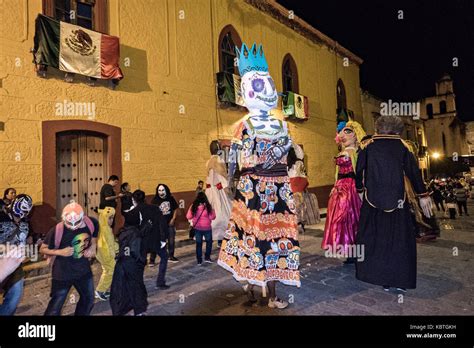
343, 211
261, 245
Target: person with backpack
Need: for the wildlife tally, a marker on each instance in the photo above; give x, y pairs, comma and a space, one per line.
201, 214
128, 291
14, 230
69, 246
461, 198
107, 248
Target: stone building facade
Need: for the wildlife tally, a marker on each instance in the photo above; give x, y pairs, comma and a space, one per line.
156, 125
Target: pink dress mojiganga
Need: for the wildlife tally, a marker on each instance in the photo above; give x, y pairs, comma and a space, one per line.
342, 220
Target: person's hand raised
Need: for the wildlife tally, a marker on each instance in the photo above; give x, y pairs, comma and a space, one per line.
66, 251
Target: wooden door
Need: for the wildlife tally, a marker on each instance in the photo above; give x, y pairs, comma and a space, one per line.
81, 170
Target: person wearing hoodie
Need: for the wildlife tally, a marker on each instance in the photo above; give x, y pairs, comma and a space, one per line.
169, 209
107, 248
201, 214
128, 291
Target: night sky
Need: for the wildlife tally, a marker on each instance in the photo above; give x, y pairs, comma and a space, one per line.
402, 58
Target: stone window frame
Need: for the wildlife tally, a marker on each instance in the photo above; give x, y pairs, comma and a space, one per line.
341, 95
99, 12
230, 32
429, 111
289, 70
443, 107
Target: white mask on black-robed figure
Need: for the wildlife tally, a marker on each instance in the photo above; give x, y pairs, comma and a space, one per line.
161, 191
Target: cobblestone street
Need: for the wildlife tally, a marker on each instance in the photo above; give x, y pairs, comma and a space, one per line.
445, 284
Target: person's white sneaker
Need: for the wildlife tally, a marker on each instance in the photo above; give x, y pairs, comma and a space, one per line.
277, 303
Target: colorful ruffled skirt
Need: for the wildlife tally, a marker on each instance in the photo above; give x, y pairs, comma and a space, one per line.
261, 240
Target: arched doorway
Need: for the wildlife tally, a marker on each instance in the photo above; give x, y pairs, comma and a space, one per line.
46, 214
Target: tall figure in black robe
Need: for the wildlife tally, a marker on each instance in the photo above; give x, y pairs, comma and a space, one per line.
128, 291
386, 228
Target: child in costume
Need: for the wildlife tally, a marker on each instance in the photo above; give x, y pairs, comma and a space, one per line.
107, 248
261, 245
342, 221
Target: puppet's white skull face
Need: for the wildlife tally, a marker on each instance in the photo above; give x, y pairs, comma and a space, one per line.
161, 191
258, 91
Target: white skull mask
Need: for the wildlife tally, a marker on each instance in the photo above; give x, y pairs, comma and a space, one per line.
259, 91
161, 191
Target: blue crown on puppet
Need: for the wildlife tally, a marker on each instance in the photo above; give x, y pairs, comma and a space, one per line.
251, 60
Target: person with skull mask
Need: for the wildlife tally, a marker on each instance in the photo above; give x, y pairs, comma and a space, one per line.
169, 210
14, 230
260, 246
70, 244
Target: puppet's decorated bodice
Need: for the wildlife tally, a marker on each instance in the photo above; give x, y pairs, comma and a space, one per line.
345, 164
258, 137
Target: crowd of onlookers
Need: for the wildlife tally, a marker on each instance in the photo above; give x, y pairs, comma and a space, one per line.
148, 230
450, 195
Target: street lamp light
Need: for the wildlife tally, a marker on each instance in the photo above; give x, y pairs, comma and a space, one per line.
436, 155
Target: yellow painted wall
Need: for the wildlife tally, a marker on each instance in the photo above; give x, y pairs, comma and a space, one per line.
173, 61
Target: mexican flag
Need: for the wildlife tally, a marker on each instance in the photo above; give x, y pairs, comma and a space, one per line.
75, 49
301, 106
228, 88
295, 105
288, 102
